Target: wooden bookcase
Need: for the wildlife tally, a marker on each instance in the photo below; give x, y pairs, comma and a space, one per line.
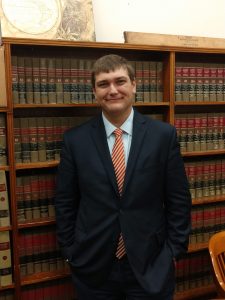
168, 108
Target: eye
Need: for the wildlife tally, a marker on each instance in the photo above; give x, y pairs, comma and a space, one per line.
102, 84
121, 81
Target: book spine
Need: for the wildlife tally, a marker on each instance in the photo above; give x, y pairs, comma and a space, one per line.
153, 81
36, 80
66, 79
159, 81
33, 139
139, 81
4, 201
44, 80
58, 79
51, 80
74, 81
17, 140
5, 259
22, 80
146, 81
15, 83
3, 155
28, 69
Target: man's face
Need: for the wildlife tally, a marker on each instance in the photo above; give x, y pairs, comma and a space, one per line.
114, 92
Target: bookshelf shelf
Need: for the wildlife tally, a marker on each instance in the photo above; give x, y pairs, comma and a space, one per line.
37, 223
219, 103
4, 168
197, 247
7, 287
203, 153
196, 292
39, 165
44, 276
205, 200
5, 228
164, 105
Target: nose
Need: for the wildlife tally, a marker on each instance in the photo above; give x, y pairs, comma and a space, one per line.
112, 88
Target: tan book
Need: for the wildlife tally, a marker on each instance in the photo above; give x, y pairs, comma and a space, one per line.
51, 80
14, 77
4, 201
33, 138
5, 259
159, 81
59, 79
139, 81
41, 139
66, 79
153, 81
146, 81
3, 156
3, 97
36, 80
28, 68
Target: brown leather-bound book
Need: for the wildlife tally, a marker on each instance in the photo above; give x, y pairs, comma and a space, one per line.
3, 157
5, 259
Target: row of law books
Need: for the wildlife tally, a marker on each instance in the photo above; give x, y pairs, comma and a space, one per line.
4, 207
35, 196
149, 80
200, 131
3, 155
39, 251
52, 80
5, 259
206, 220
60, 289
200, 82
39, 139
193, 271
206, 178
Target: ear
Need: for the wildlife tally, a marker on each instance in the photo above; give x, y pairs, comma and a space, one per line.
134, 87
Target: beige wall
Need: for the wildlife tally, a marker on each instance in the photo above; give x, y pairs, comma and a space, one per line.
184, 17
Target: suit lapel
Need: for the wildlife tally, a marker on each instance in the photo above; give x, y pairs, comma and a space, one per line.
139, 130
100, 141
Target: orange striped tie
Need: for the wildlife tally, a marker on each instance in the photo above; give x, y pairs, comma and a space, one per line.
118, 159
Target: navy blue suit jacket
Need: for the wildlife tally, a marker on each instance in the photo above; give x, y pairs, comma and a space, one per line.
153, 213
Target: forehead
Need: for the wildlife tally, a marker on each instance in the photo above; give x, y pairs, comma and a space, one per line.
120, 72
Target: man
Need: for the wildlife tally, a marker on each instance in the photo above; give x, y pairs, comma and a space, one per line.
121, 233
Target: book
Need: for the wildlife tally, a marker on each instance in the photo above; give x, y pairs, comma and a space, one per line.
25, 140
41, 139
51, 80
74, 88
17, 140
33, 139
58, 79
36, 80
4, 201
21, 80
3, 144
5, 259
66, 79
3, 97
14, 76
20, 199
44, 80
28, 69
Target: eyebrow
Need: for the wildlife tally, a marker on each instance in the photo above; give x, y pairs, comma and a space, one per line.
116, 78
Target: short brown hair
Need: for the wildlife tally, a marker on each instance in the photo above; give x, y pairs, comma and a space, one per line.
111, 62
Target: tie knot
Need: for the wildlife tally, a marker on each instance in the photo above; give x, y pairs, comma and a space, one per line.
118, 132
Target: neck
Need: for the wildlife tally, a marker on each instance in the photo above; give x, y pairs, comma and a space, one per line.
117, 119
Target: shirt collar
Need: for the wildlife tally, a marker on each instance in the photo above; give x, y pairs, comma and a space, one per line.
127, 126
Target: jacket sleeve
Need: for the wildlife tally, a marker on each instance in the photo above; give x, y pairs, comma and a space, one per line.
178, 200
66, 198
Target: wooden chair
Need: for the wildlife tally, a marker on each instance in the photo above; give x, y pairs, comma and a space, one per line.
217, 254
